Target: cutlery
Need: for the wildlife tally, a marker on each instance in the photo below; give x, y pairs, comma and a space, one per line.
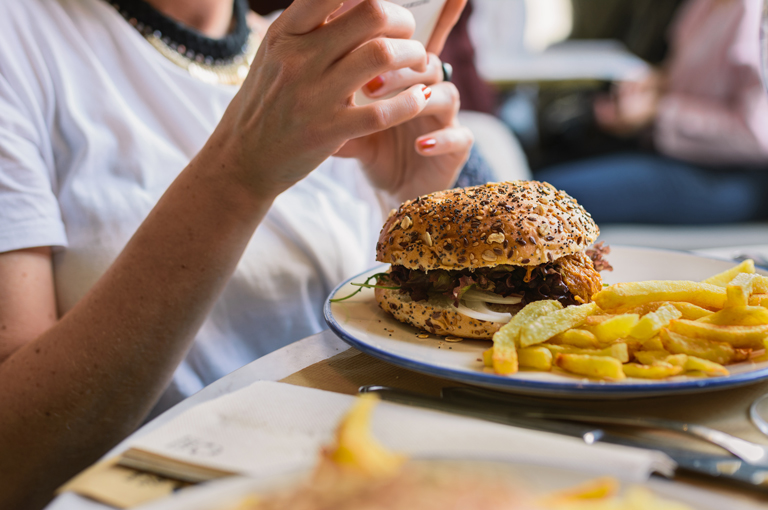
758, 259
716, 468
758, 413
747, 451
587, 434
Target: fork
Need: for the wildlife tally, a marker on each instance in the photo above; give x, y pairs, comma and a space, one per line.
749, 452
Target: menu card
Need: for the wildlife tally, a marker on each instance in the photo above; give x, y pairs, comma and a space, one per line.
270, 427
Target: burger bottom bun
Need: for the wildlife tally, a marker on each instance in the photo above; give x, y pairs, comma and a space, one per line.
436, 315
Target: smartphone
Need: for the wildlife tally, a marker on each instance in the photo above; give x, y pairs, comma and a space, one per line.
426, 13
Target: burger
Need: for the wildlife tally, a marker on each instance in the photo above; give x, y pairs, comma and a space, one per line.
464, 261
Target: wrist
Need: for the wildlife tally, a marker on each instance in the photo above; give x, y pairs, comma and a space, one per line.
226, 176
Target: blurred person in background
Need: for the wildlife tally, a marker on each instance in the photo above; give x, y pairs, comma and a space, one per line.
706, 112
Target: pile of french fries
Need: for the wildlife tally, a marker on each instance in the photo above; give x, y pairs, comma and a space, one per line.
651, 330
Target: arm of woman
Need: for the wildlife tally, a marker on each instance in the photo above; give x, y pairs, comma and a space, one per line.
73, 387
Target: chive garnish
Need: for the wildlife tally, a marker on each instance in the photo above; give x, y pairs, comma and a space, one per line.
365, 285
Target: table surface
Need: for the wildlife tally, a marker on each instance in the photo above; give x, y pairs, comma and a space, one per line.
306, 363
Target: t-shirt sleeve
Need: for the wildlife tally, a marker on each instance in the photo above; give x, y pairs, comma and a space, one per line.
29, 210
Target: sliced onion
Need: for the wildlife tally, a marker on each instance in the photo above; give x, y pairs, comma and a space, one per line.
490, 297
478, 310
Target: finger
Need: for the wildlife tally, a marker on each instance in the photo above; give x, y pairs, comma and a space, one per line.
374, 58
368, 20
449, 140
448, 18
304, 16
386, 113
392, 81
444, 103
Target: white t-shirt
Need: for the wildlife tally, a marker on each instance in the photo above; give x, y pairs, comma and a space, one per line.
94, 126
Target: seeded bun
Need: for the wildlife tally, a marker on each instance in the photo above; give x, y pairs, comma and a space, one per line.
524, 223
434, 315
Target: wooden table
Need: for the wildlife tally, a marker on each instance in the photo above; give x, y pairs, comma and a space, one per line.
324, 361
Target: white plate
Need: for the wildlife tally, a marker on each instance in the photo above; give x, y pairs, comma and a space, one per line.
227, 493
362, 324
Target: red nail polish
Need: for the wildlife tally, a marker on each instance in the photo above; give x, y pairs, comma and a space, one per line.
427, 92
375, 84
427, 144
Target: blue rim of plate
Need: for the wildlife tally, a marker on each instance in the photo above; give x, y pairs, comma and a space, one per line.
547, 388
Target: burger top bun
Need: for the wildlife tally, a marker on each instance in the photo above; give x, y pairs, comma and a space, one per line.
523, 223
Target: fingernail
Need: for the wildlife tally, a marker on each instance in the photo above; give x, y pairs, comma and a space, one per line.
375, 84
427, 143
427, 92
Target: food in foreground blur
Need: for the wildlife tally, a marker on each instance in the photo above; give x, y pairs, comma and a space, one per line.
650, 330
356, 472
464, 261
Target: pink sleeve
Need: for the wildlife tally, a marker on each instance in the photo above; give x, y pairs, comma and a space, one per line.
706, 131
731, 129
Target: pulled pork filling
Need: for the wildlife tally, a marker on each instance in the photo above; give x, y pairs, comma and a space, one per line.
570, 280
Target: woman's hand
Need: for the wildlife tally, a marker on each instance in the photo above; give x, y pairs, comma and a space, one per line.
422, 155
631, 105
427, 153
296, 106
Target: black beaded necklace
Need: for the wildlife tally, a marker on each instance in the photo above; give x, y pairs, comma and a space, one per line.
224, 60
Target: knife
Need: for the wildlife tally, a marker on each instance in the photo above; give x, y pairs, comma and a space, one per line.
719, 468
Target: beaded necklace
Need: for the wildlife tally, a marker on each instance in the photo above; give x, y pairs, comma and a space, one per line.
224, 60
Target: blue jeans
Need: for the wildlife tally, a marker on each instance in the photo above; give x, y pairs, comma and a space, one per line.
646, 188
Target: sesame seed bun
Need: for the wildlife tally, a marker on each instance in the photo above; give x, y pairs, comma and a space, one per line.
525, 223
435, 315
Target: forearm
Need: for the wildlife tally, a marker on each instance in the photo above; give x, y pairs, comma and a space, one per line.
88, 381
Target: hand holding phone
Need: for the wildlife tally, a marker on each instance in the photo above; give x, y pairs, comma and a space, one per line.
434, 20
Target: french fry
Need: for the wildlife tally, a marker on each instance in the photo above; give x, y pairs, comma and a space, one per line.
764, 356
719, 352
760, 284
618, 351
651, 323
739, 289
691, 311
599, 367
658, 370
652, 357
639, 309
504, 359
652, 344
745, 337
488, 357
536, 357
708, 367
724, 278
544, 328
598, 488
637, 293
356, 448
577, 338
505, 340
616, 327
594, 320
738, 316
